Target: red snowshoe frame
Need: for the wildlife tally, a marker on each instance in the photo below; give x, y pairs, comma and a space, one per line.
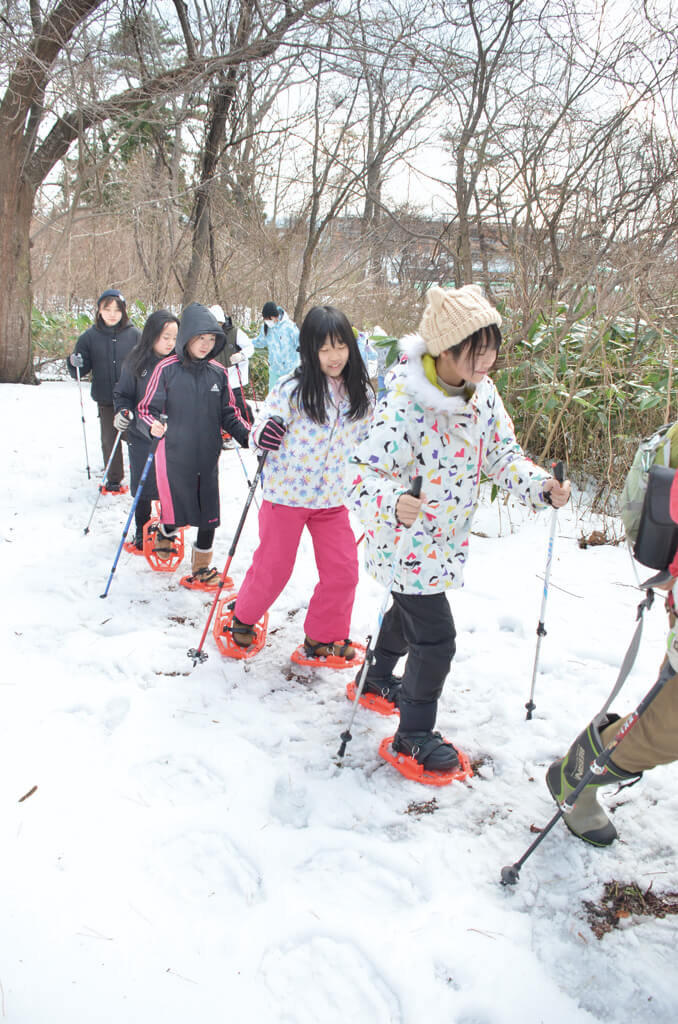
223, 635
130, 547
372, 701
162, 564
123, 489
192, 584
411, 769
300, 656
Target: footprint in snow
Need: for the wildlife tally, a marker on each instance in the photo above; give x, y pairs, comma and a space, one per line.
209, 865
290, 803
179, 777
338, 980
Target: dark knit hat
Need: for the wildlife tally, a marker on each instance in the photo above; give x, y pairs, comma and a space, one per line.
270, 310
111, 293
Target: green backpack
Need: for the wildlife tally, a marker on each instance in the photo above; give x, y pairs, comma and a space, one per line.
661, 449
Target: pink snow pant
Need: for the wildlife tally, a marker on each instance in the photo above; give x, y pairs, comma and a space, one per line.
280, 528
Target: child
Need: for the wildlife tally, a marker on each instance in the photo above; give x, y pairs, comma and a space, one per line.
102, 349
280, 336
441, 419
235, 356
326, 405
193, 390
158, 339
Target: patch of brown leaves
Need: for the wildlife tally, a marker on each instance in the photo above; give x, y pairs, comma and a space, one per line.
621, 900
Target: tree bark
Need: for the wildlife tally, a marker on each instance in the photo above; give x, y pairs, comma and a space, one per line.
16, 206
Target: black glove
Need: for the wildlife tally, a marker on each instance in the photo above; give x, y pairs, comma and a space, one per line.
122, 420
271, 435
76, 359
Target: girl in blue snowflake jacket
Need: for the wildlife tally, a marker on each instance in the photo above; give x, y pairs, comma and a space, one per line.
326, 406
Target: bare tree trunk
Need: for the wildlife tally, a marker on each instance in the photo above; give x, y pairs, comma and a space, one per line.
16, 205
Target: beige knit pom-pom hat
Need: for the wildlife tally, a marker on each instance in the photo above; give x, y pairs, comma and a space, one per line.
452, 314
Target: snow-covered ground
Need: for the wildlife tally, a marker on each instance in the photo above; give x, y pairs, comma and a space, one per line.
193, 852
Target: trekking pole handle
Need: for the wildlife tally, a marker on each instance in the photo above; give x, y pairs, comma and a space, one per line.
559, 471
415, 489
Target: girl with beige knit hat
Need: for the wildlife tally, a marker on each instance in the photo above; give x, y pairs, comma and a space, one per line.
442, 419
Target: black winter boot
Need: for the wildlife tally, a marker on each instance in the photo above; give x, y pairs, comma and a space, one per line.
387, 687
428, 749
587, 820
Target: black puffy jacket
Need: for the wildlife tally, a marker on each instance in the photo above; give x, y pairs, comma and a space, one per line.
104, 350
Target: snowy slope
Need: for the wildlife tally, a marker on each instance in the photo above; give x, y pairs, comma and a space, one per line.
193, 852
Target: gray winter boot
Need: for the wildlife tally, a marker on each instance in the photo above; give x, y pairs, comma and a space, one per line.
587, 820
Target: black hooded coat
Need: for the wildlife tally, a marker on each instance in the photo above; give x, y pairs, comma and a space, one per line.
103, 350
198, 401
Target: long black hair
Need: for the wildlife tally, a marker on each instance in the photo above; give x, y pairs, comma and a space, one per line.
311, 391
142, 355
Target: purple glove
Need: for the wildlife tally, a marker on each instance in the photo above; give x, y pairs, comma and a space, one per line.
271, 435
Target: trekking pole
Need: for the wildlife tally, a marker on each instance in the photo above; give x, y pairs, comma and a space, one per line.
247, 476
102, 485
82, 416
196, 653
249, 424
511, 873
254, 394
140, 487
247, 415
559, 474
373, 638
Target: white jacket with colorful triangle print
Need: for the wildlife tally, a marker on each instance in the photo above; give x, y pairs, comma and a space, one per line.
418, 430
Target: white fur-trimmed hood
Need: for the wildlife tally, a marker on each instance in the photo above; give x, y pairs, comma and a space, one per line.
408, 377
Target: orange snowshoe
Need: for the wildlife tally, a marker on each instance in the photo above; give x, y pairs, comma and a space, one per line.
223, 631
115, 489
134, 548
207, 580
176, 552
198, 582
332, 656
410, 768
372, 701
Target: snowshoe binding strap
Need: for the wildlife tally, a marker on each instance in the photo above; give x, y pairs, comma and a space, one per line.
343, 650
243, 634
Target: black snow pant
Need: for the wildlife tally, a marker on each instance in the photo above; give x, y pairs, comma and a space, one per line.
423, 628
142, 513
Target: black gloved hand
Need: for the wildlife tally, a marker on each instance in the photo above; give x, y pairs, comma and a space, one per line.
271, 435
